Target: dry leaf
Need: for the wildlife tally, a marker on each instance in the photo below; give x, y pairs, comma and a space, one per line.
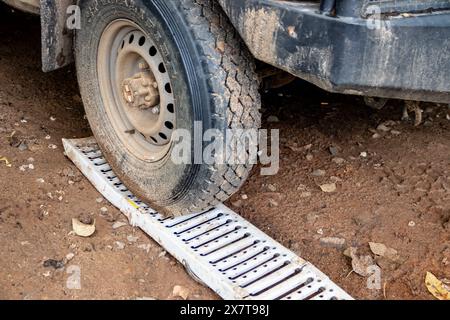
436, 287
81, 229
182, 292
360, 264
5, 160
383, 251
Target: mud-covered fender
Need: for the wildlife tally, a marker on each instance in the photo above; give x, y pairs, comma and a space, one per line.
58, 24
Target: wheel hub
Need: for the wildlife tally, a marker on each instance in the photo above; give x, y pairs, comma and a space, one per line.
137, 90
141, 90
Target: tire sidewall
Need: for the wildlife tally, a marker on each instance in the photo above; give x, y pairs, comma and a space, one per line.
164, 182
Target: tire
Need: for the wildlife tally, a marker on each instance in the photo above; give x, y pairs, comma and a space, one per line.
212, 79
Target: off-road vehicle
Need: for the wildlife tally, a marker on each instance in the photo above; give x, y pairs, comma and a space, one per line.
149, 67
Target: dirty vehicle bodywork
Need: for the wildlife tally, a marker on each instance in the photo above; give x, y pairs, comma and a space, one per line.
149, 67
403, 55
392, 49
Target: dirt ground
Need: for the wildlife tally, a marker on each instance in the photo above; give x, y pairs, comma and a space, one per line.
393, 187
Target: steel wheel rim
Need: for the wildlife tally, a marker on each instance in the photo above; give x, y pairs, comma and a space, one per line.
136, 90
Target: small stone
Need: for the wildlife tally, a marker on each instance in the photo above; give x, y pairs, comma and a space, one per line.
23, 146
162, 254
145, 247
273, 119
320, 231
333, 242
309, 157
244, 197
70, 256
335, 179
182, 292
382, 127
47, 137
40, 180
273, 203
396, 132
55, 264
31, 166
237, 204
52, 118
376, 136
104, 209
338, 161
132, 238
120, 245
52, 146
319, 173
363, 154
272, 187
333, 150
412, 224
305, 194
329, 187
119, 224
99, 200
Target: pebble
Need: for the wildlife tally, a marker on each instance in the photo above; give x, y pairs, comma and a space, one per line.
52, 146
383, 127
273, 203
237, 204
305, 194
338, 161
272, 187
334, 151
309, 157
55, 264
273, 119
52, 118
319, 173
182, 292
244, 197
40, 180
396, 132
132, 239
99, 200
328, 188
104, 209
412, 224
333, 242
145, 247
70, 256
120, 245
363, 154
162, 254
119, 224
23, 146
376, 136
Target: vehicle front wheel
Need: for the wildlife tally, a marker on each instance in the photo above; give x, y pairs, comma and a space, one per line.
148, 68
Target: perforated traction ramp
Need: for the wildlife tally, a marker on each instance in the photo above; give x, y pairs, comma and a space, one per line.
218, 247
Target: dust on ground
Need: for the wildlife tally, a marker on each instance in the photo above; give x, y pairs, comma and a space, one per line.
392, 187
